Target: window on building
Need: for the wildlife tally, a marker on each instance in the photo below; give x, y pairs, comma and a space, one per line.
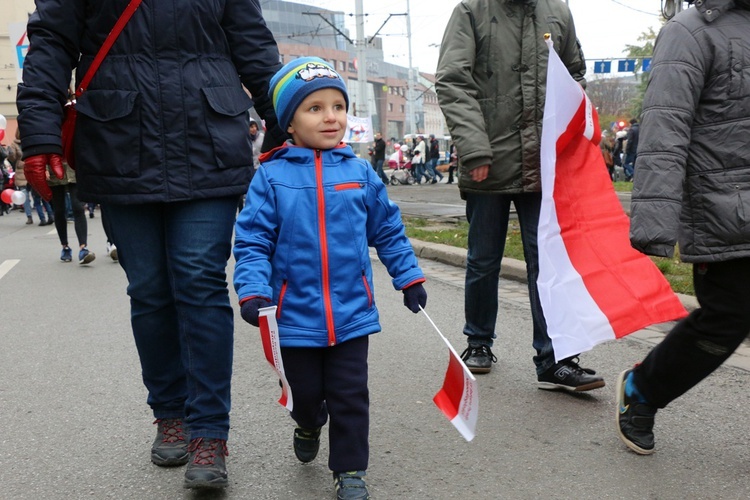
390, 106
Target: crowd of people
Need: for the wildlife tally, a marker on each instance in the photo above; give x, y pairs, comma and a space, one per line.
168, 151
420, 156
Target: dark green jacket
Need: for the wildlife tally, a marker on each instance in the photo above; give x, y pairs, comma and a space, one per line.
491, 83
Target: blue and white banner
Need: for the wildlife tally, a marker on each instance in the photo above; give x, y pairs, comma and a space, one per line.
359, 129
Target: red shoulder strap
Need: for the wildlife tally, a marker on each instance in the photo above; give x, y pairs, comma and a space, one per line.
119, 25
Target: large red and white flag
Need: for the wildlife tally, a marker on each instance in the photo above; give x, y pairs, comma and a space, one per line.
593, 285
458, 399
269, 336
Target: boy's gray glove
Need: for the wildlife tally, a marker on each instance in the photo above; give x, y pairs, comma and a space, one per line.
415, 296
249, 309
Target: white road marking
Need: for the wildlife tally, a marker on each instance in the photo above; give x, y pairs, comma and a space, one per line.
7, 265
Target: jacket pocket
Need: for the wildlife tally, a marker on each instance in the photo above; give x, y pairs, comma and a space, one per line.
228, 124
108, 132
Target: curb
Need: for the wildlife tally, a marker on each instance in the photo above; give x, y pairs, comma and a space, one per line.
512, 269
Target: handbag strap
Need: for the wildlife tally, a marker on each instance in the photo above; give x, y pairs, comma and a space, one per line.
110, 40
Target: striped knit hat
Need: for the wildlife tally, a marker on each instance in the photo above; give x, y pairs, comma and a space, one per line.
298, 79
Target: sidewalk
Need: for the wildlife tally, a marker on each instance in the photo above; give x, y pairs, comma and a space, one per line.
513, 287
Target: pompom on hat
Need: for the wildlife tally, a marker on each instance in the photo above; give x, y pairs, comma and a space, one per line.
297, 80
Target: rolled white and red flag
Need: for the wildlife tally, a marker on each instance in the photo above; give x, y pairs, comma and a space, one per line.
458, 399
593, 285
269, 336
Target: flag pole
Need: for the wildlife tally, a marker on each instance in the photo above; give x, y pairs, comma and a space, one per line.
450, 346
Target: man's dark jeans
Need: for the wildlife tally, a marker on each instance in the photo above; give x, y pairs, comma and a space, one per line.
488, 216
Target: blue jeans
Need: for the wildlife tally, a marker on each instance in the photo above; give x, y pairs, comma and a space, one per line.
432, 168
420, 171
488, 227
175, 257
41, 205
628, 165
27, 202
379, 170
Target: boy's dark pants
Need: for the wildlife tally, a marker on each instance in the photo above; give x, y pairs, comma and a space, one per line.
333, 381
700, 343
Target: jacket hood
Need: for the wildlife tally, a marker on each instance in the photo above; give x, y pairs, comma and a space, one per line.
711, 9
296, 154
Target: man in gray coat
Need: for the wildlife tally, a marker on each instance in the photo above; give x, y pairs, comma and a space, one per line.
491, 80
692, 187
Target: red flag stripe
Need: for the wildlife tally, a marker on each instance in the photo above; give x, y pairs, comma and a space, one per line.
448, 399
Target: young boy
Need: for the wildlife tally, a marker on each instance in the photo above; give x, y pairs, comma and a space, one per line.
312, 210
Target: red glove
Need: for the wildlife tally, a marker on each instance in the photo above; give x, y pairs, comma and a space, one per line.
35, 170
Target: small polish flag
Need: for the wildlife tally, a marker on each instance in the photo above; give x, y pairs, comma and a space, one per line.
458, 399
593, 286
269, 336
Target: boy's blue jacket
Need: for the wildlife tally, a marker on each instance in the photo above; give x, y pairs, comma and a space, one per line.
302, 240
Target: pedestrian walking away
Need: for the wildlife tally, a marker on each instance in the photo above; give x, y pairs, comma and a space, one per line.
302, 244
162, 146
690, 190
631, 149
62, 190
499, 156
434, 148
378, 157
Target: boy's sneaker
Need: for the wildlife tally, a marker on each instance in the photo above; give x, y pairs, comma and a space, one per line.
568, 375
635, 420
306, 443
86, 257
66, 255
112, 251
206, 464
170, 447
350, 485
478, 359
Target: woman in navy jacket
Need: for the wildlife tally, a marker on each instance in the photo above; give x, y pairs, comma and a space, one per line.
162, 144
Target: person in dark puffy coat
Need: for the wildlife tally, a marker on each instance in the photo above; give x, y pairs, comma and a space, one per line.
162, 145
692, 187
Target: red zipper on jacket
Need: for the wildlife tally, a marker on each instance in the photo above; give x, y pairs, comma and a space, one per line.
367, 289
281, 298
328, 308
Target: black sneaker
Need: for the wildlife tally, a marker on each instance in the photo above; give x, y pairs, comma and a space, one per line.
569, 376
170, 446
206, 464
635, 420
350, 485
306, 443
478, 359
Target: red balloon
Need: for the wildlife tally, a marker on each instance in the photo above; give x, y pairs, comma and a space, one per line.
6, 195
2, 134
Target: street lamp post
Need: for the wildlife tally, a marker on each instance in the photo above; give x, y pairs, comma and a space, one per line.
361, 59
410, 80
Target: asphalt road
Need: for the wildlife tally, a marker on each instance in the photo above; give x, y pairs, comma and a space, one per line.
443, 200
74, 423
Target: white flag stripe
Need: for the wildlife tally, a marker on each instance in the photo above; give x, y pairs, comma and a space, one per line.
268, 314
589, 132
465, 429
